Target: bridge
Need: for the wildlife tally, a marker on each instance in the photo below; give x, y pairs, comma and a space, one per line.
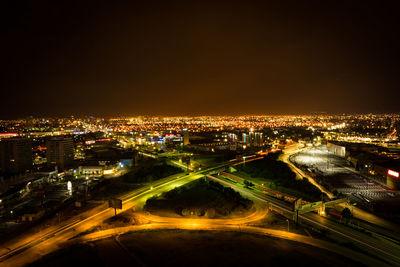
319, 206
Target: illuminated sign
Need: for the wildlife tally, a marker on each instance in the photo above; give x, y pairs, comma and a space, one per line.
393, 173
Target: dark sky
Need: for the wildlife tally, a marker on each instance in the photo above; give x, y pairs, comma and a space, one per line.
169, 58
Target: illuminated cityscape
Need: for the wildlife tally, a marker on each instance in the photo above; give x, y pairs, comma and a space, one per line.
201, 133
57, 170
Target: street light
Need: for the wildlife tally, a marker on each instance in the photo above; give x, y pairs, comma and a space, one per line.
244, 160
288, 225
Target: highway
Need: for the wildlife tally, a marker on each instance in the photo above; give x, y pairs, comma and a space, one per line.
256, 215
381, 248
28, 248
357, 212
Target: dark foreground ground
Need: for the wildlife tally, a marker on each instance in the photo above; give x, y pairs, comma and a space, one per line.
193, 248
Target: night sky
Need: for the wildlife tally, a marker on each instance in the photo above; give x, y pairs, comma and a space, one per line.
225, 58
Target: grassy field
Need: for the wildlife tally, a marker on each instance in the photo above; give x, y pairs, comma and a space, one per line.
208, 159
269, 183
200, 198
277, 176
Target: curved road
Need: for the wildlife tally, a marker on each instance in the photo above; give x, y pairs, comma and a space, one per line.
29, 248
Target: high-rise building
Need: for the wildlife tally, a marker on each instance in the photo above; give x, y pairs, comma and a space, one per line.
60, 151
15, 155
232, 138
251, 138
258, 140
245, 138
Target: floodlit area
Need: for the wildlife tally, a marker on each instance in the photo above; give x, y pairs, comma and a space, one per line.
336, 174
318, 159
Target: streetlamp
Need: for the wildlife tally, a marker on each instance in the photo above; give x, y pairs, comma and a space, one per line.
288, 225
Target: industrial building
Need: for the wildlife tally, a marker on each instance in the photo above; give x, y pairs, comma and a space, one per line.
336, 149
369, 161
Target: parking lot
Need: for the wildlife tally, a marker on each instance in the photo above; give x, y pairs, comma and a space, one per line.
336, 174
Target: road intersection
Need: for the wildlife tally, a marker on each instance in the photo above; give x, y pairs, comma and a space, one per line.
29, 248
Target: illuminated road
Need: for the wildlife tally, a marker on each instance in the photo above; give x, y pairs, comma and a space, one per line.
382, 248
357, 212
254, 216
188, 225
60, 238
28, 248
293, 149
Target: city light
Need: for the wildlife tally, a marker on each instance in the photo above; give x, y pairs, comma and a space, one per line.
246, 133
